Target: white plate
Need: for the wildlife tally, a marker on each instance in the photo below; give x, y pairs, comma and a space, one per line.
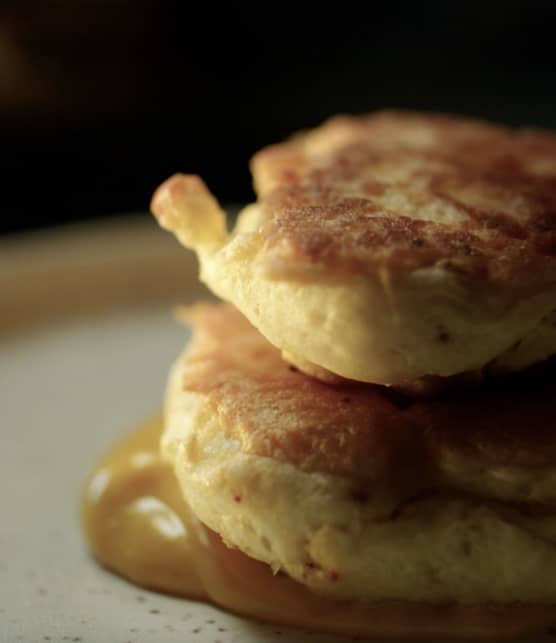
77, 370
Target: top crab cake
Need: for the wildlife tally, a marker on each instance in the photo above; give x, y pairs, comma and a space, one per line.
389, 248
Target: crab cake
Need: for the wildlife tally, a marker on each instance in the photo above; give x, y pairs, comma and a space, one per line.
359, 493
389, 248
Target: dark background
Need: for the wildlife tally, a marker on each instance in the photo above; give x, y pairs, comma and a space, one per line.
100, 101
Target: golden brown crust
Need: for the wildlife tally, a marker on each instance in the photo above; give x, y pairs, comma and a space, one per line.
353, 429
403, 191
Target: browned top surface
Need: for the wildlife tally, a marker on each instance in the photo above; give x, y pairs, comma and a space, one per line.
353, 429
404, 191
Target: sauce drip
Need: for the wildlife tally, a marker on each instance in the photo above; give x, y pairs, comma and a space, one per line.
138, 525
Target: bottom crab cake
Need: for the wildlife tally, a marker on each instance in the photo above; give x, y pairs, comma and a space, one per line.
359, 493
336, 507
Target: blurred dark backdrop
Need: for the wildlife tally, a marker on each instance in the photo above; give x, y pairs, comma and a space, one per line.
101, 100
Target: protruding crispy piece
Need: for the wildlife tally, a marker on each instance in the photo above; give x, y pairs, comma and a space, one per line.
184, 205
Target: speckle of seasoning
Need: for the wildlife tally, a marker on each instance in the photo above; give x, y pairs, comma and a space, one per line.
346, 400
399, 399
170, 628
47, 638
237, 498
133, 629
210, 621
42, 591
154, 611
292, 368
443, 335
360, 496
76, 638
196, 630
222, 629
333, 575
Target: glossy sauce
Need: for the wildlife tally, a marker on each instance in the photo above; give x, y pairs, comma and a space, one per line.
139, 526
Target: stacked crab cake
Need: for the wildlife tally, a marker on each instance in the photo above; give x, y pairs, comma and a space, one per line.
373, 413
